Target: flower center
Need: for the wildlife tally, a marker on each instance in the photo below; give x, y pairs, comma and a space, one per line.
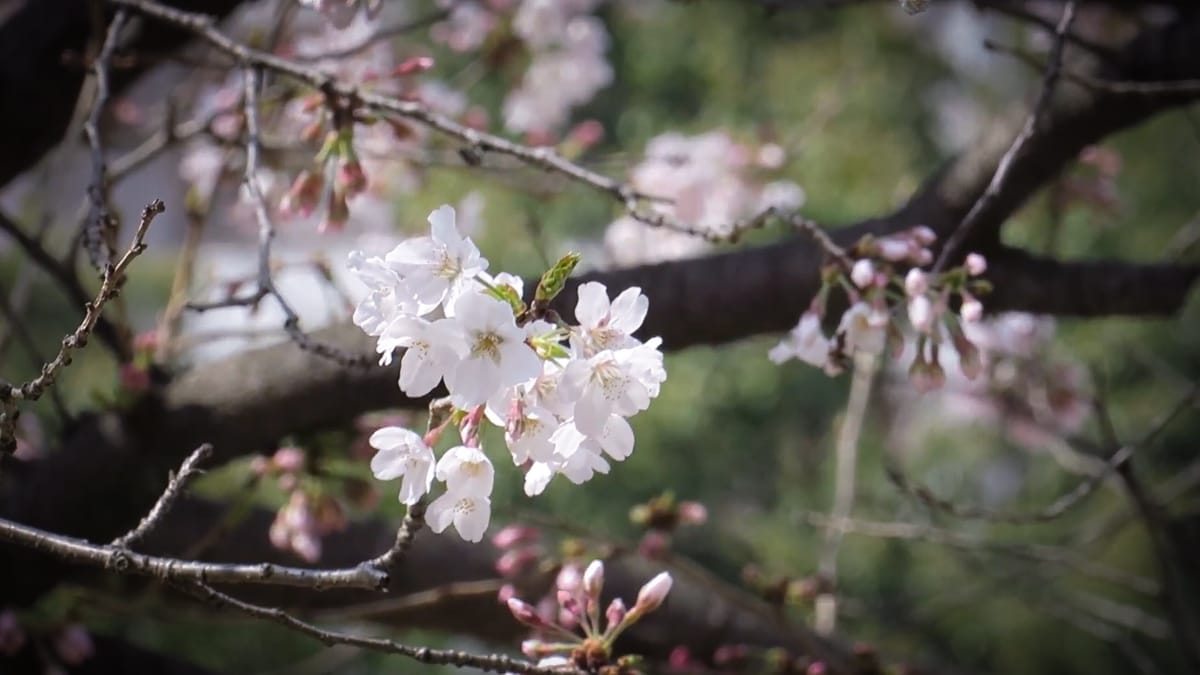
465, 505
610, 379
448, 266
488, 345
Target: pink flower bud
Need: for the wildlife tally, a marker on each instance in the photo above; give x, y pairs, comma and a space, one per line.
146, 341
133, 379
816, 668
971, 310
569, 578
976, 264
593, 579
692, 513
680, 658
304, 194
920, 313
525, 613
586, 134
893, 250
652, 595
923, 235
350, 177
916, 282
921, 257
615, 613
516, 562
863, 273
410, 66
513, 535
288, 459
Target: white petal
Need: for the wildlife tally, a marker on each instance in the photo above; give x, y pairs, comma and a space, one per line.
592, 306
473, 382
591, 412
617, 439
629, 310
537, 478
472, 523
441, 223
395, 437
440, 513
418, 375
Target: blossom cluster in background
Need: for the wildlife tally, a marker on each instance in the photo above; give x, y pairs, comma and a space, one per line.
561, 392
877, 295
708, 181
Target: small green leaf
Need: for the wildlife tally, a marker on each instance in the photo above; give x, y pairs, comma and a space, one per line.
555, 278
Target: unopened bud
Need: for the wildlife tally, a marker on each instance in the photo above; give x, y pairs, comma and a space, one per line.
336, 214
615, 613
512, 535
652, 595
920, 313
593, 579
976, 264
525, 613
863, 273
972, 309
416, 64
916, 282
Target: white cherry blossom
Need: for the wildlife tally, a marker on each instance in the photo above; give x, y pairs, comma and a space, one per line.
431, 351
604, 385
805, 342
495, 354
609, 325
466, 470
440, 267
468, 512
403, 453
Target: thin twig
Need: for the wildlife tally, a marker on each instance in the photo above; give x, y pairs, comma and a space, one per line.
110, 286
964, 230
100, 228
188, 471
492, 663
61, 274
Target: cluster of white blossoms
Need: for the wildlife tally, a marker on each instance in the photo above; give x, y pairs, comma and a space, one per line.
876, 293
561, 393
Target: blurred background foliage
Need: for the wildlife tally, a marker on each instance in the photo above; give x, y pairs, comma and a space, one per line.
848, 94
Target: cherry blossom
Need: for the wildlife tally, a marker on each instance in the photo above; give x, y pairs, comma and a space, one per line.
439, 267
605, 325
469, 513
805, 342
466, 470
403, 453
496, 354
